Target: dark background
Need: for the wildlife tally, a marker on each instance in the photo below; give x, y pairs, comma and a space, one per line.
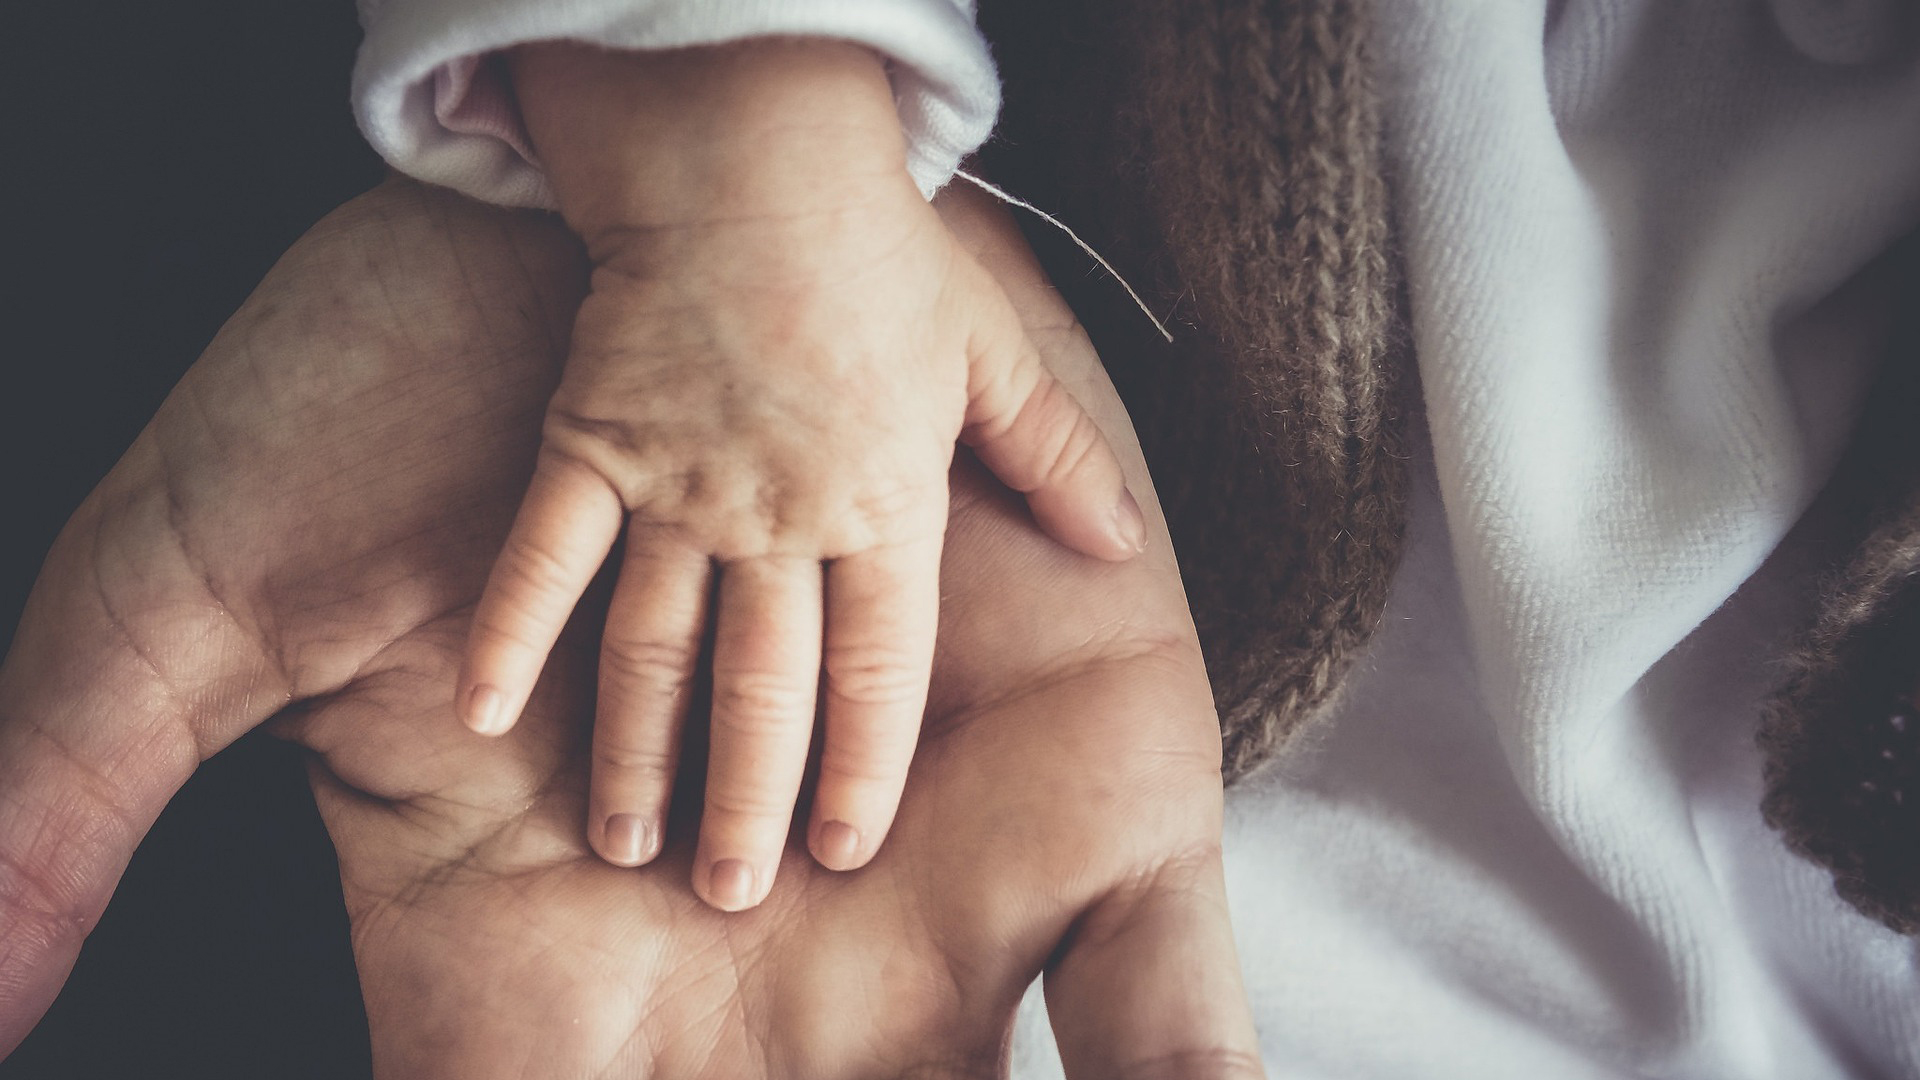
162, 156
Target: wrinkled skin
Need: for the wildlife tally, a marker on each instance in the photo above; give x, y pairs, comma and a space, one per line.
299, 536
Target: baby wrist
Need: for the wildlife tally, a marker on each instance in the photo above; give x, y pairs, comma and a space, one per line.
658, 139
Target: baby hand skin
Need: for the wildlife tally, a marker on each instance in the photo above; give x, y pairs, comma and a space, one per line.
781, 346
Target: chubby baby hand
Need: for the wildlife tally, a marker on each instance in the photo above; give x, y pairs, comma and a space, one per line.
781, 347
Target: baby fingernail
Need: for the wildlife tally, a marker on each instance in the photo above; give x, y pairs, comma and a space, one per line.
1129, 524
730, 884
486, 710
627, 839
837, 845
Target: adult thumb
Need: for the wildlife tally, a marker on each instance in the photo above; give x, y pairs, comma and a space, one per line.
1148, 985
119, 681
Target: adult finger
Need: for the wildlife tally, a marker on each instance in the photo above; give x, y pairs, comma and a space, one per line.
647, 659
766, 673
121, 677
1028, 430
883, 607
566, 525
1148, 985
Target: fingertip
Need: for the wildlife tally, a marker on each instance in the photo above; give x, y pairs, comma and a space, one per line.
627, 840
837, 846
1116, 534
730, 885
486, 711
1129, 526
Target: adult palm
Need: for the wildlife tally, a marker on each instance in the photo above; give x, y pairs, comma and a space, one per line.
299, 536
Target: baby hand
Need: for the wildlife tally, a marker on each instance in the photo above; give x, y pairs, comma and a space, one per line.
765, 386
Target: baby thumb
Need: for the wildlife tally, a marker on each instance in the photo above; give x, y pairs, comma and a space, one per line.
1028, 430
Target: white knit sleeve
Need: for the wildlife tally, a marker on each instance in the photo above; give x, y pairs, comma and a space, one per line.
432, 97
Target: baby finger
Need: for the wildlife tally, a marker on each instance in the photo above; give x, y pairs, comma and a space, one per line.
647, 660
766, 673
883, 608
566, 525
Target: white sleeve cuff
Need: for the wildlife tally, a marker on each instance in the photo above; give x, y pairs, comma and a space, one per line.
432, 98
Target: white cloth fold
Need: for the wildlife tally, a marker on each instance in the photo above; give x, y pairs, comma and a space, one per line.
432, 104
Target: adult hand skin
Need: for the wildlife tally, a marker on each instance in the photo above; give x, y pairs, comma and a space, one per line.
300, 535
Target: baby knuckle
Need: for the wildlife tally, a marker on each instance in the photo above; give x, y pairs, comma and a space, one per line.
632, 759
664, 665
1049, 402
893, 502
747, 802
1047, 406
530, 569
567, 427
1077, 448
874, 675
753, 703
865, 761
512, 629
998, 401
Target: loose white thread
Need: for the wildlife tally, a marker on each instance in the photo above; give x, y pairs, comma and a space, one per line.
1071, 235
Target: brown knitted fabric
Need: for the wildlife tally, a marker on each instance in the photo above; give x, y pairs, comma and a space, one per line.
1842, 736
1226, 154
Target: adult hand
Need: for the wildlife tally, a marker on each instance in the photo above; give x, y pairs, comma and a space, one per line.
302, 531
